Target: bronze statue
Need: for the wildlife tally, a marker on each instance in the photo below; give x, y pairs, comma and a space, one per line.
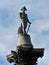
25, 20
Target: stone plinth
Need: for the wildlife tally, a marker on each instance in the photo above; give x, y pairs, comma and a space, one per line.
24, 41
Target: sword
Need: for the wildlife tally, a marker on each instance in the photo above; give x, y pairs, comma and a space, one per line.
28, 28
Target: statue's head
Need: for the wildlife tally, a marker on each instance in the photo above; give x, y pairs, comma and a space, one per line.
23, 8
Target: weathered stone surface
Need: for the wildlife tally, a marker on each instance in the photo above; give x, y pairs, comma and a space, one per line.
24, 41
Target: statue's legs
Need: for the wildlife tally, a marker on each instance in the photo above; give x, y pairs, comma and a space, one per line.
24, 25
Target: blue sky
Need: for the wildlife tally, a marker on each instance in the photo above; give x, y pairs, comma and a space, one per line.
38, 14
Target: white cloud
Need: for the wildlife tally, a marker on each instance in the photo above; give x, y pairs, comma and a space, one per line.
37, 10
8, 40
2, 47
40, 25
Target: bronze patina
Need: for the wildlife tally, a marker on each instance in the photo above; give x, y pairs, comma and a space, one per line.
24, 20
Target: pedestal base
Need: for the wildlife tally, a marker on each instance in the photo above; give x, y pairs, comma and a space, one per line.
25, 54
24, 41
25, 57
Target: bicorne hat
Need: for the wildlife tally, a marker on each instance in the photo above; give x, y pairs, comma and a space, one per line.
23, 8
